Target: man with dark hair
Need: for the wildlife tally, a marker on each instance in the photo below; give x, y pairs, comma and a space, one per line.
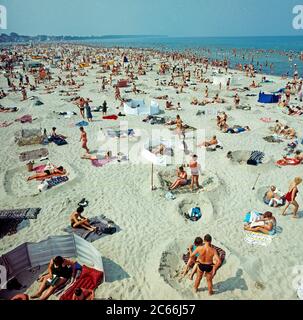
208, 263
83, 294
78, 221
59, 271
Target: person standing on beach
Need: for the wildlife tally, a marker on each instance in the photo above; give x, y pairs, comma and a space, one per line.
88, 110
24, 94
83, 138
195, 170
237, 100
291, 195
208, 263
104, 108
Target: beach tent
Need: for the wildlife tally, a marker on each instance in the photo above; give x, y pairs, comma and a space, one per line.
268, 97
35, 254
138, 107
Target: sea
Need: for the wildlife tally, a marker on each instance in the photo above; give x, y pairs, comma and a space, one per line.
282, 52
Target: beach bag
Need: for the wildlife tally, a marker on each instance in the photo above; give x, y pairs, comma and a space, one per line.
195, 214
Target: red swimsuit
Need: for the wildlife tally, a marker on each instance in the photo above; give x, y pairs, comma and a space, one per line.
288, 195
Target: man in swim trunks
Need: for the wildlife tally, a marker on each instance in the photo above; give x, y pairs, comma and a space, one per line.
83, 138
208, 263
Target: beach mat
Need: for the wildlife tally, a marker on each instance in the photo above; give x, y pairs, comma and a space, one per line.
28, 213
101, 163
33, 154
105, 226
89, 279
56, 180
257, 239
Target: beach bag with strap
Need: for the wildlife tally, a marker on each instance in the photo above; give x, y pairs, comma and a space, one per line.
195, 214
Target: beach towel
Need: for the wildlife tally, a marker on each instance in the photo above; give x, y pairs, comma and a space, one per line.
89, 279
34, 154
101, 163
105, 227
40, 168
56, 180
273, 139
9, 226
111, 117
256, 158
221, 253
288, 162
59, 141
266, 120
257, 239
28, 213
82, 124
26, 118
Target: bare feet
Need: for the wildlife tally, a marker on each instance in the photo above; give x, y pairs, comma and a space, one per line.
35, 296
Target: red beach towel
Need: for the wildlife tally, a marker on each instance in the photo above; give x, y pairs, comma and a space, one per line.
111, 117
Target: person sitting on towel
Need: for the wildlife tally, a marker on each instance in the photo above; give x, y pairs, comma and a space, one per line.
267, 224
212, 142
59, 271
58, 171
78, 221
55, 135
272, 197
181, 180
83, 294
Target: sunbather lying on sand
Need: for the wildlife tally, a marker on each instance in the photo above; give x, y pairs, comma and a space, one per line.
107, 155
181, 180
78, 221
59, 271
213, 141
49, 172
267, 224
288, 132
161, 97
235, 129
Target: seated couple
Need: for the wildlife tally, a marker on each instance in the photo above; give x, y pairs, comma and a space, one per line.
60, 270
205, 260
264, 223
273, 198
48, 172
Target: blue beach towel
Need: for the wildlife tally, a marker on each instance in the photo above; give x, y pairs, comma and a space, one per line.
82, 124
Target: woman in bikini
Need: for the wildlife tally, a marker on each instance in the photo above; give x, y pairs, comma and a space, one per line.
83, 138
55, 171
195, 170
291, 195
78, 221
180, 129
181, 180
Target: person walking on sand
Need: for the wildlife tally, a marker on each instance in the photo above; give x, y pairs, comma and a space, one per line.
208, 263
291, 195
83, 138
88, 110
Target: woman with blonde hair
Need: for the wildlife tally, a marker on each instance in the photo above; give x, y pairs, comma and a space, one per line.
290, 197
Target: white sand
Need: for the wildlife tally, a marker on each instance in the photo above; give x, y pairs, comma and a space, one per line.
142, 259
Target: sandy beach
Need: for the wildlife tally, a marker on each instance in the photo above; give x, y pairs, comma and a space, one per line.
143, 259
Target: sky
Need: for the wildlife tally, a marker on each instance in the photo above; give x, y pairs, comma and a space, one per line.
184, 18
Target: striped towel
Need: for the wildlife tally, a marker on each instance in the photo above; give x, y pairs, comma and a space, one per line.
257, 156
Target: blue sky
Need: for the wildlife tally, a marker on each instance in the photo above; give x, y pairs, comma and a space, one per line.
164, 17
